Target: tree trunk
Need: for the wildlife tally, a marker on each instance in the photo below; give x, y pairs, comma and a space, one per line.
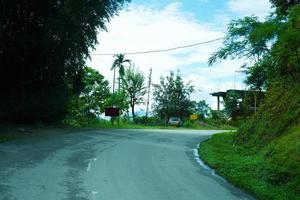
132, 111
166, 123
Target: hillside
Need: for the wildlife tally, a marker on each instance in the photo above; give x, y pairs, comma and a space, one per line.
263, 157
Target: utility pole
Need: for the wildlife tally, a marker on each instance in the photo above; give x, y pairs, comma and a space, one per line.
114, 80
149, 87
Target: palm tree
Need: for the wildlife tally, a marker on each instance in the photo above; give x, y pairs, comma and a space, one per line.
119, 63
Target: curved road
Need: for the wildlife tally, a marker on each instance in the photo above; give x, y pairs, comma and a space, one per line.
110, 165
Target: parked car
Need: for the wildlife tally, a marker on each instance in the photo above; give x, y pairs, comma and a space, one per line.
175, 121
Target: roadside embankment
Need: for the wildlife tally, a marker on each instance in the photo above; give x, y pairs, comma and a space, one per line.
255, 170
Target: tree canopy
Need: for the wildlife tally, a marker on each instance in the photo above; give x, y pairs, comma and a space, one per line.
119, 64
172, 97
201, 108
273, 46
232, 103
134, 86
282, 6
92, 100
43, 49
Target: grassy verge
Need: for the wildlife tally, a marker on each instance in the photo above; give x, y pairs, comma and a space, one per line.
249, 169
122, 125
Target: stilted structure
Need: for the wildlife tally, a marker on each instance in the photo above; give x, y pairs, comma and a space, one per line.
243, 94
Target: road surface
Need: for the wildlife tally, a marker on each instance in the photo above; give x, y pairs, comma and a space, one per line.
110, 165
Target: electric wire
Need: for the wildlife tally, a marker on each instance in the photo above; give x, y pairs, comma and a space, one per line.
159, 50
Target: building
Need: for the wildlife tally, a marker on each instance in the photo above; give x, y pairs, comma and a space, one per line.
252, 98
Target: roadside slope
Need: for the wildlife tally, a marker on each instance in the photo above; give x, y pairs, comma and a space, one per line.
267, 178
264, 155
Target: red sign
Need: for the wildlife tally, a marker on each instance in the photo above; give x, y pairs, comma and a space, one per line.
113, 112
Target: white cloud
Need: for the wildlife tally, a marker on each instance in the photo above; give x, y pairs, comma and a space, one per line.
260, 8
142, 28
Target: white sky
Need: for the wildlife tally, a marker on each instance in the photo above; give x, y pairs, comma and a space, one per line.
146, 27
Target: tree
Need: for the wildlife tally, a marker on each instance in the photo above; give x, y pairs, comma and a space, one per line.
246, 38
273, 45
119, 98
250, 39
286, 50
133, 84
172, 97
257, 76
201, 108
91, 101
95, 92
232, 104
119, 64
43, 48
282, 6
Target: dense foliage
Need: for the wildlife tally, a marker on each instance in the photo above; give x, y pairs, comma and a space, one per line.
92, 100
118, 99
133, 83
172, 97
232, 104
279, 113
270, 138
201, 108
274, 47
43, 47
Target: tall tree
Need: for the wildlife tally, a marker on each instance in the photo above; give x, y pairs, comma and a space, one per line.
43, 48
276, 43
246, 38
134, 86
119, 64
201, 108
172, 97
91, 101
282, 6
273, 46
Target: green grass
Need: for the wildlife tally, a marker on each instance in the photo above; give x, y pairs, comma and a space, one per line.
131, 125
266, 176
120, 125
279, 113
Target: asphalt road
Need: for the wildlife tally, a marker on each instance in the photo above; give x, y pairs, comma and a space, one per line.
110, 165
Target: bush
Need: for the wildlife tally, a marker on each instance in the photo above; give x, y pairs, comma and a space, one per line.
151, 121
277, 114
218, 118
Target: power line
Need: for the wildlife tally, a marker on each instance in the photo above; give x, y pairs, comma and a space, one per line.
159, 50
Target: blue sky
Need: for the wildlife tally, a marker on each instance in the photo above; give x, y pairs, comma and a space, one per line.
156, 24
203, 10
